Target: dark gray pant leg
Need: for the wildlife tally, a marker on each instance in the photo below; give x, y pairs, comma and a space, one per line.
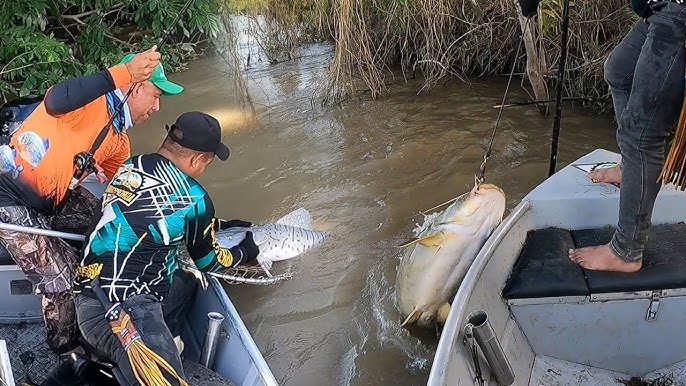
620, 65
651, 110
146, 314
178, 302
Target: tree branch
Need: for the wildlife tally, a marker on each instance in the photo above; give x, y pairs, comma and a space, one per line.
3, 72
77, 17
10, 62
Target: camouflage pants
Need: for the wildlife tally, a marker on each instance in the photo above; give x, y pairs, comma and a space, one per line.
49, 263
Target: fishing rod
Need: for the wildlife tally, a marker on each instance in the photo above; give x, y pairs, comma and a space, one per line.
535, 102
84, 162
558, 99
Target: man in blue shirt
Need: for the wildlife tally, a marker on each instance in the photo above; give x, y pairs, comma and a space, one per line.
153, 206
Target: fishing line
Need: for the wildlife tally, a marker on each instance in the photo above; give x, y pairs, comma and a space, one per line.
482, 169
159, 44
560, 83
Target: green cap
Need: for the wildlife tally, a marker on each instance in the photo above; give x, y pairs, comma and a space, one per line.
159, 79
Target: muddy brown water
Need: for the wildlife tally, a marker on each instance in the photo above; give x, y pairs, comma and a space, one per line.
364, 171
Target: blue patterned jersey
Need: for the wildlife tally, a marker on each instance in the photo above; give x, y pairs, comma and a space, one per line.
149, 210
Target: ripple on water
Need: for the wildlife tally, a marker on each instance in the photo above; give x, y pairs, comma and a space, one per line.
336, 321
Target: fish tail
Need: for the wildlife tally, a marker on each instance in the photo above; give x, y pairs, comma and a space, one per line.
412, 317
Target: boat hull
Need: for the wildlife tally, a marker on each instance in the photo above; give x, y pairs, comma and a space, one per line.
608, 335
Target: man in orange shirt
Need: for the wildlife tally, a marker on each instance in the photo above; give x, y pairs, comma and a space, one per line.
37, 165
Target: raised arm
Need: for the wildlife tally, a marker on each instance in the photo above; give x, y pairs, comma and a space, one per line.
74, 93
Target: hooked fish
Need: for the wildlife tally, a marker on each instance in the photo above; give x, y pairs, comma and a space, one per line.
290, 236
7, 161
32, 147
431, 271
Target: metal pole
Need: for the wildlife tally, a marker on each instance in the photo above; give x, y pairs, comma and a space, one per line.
42, 232
209, 345
491, 348
560, 82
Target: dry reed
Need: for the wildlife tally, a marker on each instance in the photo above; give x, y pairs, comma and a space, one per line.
376, 40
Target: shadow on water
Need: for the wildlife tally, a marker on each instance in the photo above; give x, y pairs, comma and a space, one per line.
364, 171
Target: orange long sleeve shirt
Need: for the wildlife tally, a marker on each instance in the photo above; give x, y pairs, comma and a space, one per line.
45, 145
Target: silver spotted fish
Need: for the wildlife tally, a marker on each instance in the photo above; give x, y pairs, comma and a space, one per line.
290, 236
7, 161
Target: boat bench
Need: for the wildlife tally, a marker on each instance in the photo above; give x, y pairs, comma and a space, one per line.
543, 268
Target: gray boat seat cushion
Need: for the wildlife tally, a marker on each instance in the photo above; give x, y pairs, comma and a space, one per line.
664, 261
543, 268
541, 272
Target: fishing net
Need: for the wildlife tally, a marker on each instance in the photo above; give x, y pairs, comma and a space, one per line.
245, 274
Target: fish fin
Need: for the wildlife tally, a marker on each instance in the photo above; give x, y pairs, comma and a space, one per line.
300, 218
411, 318
266, 264
46, 144
266, 267
442, 313
433, 240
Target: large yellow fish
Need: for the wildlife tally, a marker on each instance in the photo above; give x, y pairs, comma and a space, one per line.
433, 268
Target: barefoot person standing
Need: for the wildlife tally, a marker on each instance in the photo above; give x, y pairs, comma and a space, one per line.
645, 74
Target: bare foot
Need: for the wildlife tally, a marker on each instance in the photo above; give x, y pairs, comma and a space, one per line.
611, 175
601, 258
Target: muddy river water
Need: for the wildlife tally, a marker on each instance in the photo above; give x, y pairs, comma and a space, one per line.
364, 171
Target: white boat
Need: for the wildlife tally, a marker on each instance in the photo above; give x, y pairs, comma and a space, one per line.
233, 356
554, 323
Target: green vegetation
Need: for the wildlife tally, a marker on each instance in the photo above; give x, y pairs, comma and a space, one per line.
377, 41
46, 41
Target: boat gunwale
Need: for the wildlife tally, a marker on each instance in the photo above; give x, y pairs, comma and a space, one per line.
246, 338
458, 308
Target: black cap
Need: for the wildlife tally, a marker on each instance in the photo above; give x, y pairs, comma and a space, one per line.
199, 131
